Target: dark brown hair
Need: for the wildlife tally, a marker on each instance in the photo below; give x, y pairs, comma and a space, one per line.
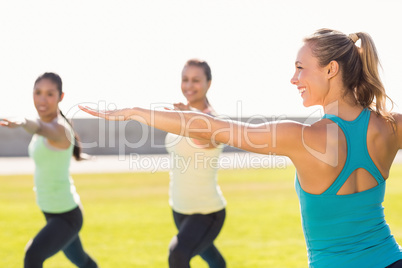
202, 64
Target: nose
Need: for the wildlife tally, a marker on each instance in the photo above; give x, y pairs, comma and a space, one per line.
294, 80
42, 99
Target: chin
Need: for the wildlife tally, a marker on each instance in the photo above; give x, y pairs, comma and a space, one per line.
43, 112
306, 104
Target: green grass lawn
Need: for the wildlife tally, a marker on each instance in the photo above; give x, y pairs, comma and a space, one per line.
128, 221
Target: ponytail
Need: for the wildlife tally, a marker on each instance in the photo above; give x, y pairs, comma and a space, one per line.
77, 144
370, 91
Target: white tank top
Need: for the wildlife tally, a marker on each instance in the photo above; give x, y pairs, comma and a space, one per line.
193, 176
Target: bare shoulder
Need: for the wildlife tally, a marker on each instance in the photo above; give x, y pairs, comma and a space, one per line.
318, 129
319, 134
398, 126
293, 136
57, 131
321, 146
398, 119
61, 127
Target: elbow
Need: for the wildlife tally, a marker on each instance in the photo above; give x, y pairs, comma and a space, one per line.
207, 135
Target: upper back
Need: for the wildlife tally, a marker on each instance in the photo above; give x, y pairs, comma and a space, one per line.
332, 143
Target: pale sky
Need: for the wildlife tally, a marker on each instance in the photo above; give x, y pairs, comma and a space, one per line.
131, 53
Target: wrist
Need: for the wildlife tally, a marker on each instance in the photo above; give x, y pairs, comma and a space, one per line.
23, 122
31, 126
139, 114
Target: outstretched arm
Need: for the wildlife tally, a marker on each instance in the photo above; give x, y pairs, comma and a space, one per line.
31, 126
53, 131
271, 137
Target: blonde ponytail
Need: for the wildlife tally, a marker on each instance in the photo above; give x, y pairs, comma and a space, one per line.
370, 91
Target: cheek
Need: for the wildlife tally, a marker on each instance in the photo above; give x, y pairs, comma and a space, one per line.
319, 84
54, 100
204, 87
301, 76
37, 98
184, 85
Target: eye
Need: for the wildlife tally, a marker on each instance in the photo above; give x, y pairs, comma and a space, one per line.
299, 67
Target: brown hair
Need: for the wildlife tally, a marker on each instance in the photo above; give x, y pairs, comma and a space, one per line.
204, 66
55, 78
358, 66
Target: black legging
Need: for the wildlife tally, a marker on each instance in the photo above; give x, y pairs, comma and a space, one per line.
59, 233
397, 264
197, 233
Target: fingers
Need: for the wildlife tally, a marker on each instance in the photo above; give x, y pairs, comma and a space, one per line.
108, 115
85, 108
7, 123
90, 110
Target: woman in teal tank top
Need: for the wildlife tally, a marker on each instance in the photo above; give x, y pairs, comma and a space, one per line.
52, 146
342, 161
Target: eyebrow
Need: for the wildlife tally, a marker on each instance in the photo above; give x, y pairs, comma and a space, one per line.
52, 89
196, 77
298, 62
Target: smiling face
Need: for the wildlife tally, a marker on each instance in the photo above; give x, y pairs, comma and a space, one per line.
310, 78
46, 97
194, 85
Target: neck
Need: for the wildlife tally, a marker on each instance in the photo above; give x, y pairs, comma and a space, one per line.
49, 118
343, 109
199, 105
340, 104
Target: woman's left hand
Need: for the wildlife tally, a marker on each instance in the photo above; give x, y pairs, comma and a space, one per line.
181, 106
115, 115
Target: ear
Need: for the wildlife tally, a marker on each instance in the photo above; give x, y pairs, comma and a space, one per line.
332, 69
209, 84
61, 96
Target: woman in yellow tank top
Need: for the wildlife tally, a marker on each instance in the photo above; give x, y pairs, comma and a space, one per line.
195, 197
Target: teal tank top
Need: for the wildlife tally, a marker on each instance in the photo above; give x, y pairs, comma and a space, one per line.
349, 230
55, 190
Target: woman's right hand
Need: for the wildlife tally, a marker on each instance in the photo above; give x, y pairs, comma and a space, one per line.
12, 123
